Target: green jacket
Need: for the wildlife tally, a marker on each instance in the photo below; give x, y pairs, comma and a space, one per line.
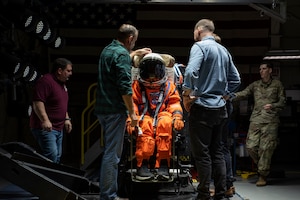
114, 79
264, 93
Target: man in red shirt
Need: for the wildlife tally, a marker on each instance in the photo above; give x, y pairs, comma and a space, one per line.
50, 117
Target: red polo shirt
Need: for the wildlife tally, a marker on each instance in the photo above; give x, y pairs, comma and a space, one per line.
54, 94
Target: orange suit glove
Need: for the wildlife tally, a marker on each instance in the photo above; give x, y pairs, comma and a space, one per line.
178, 123
130, 129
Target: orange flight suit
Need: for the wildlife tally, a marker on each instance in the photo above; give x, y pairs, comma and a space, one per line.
156, 125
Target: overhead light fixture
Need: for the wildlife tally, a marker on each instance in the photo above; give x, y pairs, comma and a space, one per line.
37, 24
59, 43
35, 75
29, 110
30, 74
282, 55
29, 21
20, 72
50, 36
17, 68
10, 64
34, 24
41, 28
29, 24
26, 73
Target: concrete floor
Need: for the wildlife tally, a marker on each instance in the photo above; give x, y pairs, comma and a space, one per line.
281, 186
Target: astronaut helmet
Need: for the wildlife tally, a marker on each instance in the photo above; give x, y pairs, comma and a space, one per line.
152, 70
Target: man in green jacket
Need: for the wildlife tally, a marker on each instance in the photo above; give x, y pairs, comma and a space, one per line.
262, 137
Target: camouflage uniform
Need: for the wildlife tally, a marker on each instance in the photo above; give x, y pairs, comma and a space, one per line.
263, 129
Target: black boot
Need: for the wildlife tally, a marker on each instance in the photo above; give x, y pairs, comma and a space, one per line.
143, 173
163, 170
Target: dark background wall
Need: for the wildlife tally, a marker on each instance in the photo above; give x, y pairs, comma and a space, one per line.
87, 27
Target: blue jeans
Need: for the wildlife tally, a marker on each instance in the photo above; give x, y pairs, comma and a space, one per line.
50, 143
205, 128
114, 129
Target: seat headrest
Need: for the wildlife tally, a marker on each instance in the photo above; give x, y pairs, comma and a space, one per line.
168, 60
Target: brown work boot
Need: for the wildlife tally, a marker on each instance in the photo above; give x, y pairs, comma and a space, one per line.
212, 192
262, 181
230, 192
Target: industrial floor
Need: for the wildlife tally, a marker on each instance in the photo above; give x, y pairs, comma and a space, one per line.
283, 184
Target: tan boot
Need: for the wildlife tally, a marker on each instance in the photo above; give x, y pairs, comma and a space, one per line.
262, 181
212, 192
230, 192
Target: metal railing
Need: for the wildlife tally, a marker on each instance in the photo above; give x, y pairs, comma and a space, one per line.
87, 123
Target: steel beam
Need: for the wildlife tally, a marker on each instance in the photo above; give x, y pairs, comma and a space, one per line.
280, 16
223, 2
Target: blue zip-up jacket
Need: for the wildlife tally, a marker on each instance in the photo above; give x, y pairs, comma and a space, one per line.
210, 73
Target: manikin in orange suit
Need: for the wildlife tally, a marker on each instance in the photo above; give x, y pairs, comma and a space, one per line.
157, 103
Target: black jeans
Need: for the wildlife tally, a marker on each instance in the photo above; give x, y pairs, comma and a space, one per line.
226, 135
205, 128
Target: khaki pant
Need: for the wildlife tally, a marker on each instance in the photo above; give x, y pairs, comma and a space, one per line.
261, 142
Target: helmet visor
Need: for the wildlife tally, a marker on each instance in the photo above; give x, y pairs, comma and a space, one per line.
152, 70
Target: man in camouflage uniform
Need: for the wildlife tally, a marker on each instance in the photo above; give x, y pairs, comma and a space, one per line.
269, 99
